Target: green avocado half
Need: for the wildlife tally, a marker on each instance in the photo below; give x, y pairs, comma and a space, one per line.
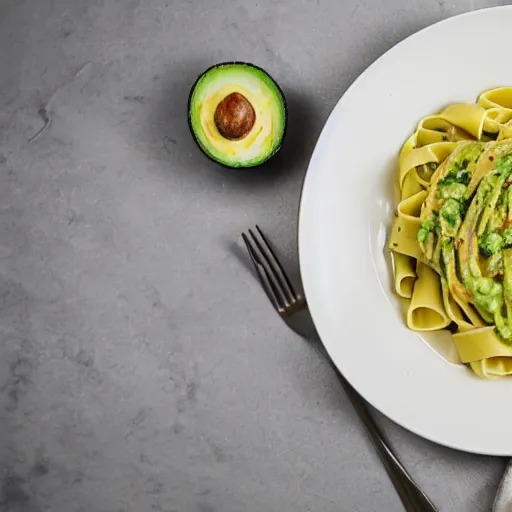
237, 114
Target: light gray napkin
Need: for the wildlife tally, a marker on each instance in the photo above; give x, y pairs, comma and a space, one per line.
503, 500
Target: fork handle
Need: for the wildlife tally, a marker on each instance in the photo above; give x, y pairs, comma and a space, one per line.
413, 498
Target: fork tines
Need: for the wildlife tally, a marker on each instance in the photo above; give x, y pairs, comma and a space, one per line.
270, 272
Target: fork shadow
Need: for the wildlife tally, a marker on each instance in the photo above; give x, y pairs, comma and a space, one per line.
300, 321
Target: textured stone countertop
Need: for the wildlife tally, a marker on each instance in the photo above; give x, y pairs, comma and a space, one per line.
141, 367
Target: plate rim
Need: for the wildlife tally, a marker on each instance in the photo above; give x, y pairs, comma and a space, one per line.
301, 234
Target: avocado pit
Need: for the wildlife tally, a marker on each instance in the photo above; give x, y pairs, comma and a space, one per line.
234, 116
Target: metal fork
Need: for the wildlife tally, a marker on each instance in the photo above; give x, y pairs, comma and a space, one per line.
288, 303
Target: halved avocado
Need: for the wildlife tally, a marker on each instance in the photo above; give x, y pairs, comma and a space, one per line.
237, 114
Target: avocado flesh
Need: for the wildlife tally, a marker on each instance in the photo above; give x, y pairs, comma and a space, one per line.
265, 136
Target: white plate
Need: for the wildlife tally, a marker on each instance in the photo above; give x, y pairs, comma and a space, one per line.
346, 209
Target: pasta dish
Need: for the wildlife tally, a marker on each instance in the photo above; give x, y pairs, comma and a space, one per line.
451, 239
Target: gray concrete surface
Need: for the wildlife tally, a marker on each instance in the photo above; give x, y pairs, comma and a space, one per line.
141, 367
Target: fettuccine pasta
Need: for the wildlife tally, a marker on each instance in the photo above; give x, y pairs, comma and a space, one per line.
452, 235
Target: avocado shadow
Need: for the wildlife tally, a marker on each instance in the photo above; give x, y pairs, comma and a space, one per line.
291, 159
299, 139
171, 140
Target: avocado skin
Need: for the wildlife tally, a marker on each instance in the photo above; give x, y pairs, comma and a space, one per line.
189, 120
